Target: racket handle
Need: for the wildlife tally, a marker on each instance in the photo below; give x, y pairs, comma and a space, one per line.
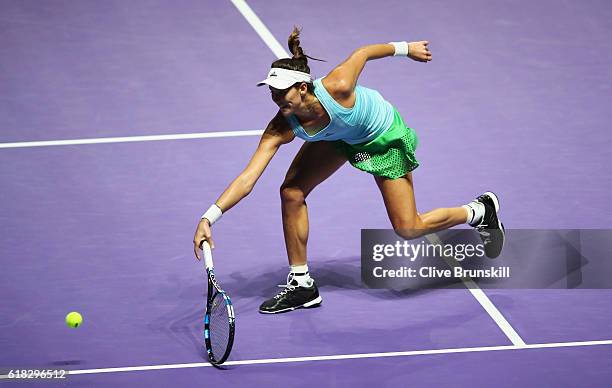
208, 260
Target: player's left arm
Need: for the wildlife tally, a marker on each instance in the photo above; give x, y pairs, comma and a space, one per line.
341, 81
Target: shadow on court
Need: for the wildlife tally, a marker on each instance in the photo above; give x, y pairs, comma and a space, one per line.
344, 273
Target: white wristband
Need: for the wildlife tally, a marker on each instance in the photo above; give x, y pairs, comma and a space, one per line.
401, 48
213, 214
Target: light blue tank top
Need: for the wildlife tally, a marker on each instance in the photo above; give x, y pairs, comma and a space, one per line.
369, 117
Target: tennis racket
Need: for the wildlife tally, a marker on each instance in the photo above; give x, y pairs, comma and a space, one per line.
219, 320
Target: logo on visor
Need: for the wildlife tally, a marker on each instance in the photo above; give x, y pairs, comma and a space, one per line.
272, 74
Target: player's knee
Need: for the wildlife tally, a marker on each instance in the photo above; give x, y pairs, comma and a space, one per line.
291, 194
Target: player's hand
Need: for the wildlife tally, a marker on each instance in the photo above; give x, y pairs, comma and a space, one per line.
419, 51
202, 233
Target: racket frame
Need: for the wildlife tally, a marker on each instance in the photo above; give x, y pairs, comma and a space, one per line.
213, 290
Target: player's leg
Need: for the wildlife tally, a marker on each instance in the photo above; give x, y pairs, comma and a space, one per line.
398, 195
314, 163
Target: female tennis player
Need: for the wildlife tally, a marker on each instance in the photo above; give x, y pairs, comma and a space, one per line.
340, 120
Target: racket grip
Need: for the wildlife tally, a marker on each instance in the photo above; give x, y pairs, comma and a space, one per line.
208, 261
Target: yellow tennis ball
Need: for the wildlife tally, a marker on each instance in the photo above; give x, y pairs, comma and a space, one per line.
74, 319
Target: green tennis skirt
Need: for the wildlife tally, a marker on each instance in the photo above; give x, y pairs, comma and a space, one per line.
390, 155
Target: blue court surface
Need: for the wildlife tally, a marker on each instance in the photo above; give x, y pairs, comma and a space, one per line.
120, 122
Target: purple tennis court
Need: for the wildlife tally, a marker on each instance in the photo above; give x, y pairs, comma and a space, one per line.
121, 122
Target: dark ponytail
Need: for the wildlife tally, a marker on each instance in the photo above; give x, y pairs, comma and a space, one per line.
299, 60
294, 44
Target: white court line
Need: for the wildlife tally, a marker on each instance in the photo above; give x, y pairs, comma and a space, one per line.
261, 29
263, 33
494, 313
344, 357
484, 300
129, 139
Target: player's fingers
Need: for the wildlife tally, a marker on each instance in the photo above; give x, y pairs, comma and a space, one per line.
207, 239
196, 250
211, 242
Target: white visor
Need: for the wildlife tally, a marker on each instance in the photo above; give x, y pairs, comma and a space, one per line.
283, 78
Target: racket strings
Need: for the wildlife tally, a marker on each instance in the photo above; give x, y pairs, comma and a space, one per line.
219, 327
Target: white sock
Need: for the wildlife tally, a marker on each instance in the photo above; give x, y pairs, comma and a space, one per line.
300, 274
475, 211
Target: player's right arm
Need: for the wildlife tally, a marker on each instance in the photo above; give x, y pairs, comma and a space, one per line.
276, 134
